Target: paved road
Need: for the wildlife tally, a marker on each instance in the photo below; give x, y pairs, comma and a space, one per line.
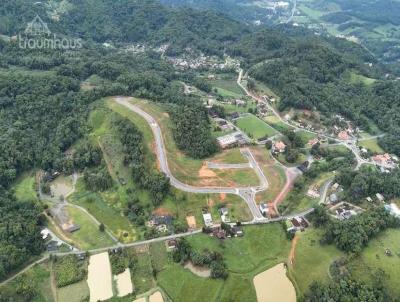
247, 193
212, 165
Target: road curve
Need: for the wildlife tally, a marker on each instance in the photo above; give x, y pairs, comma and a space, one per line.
247, 193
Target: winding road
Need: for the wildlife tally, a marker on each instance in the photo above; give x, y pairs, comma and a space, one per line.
247, 193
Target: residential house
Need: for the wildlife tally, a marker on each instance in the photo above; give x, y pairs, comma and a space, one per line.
208, 222
224, 214
296, 224
393, 209
380, 197
333, 198
343, 213
279, 147
344, 135
227, 141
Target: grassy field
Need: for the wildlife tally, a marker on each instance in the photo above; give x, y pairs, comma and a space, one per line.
73, 293
244, 260
276, 123
312, 260
372, 145
373, 258
233, 108
254, 127
88, 236
358, 78
273, 172
25, 187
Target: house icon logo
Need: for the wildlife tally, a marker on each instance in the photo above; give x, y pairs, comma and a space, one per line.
37, 27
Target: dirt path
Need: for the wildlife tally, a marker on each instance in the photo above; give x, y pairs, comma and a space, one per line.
292, 252
290, 178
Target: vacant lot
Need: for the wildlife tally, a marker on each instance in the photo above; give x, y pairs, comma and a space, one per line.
254, 127
76, 292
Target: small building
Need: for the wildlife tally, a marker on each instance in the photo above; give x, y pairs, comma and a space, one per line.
343, 213
171, 244
393, 209
380, 197
208, 222
333, 198
231, 140
237, 231
45, 234
264, 209
343, 135
240, 103
335, 186
382, 159
313, 142
369, 199
279, 147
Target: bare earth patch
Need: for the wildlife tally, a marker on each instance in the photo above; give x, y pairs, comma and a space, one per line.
156, 297
273, 285
140, 300
203, 272
222, 196
205, 172
191, 222
124, 283
100, 278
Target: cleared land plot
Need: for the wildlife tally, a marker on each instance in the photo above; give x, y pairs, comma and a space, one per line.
156, 297
273, 285
372, 145
273, 172
88, 236
254, 127
233, 108
187, 169
100, 278
142, 274
25, 187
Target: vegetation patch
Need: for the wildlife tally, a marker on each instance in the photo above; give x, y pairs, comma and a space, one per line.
69, 270
254, 127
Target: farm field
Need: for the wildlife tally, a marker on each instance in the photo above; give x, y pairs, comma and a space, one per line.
229, 108
254, 127
76, 292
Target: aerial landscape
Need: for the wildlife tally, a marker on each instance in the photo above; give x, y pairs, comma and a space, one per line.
208, 150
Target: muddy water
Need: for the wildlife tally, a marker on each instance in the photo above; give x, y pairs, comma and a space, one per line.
273, 285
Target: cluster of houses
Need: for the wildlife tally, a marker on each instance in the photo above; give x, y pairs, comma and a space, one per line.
262, 109
202, 61
345, 210
232, 140
386, 160
296, 224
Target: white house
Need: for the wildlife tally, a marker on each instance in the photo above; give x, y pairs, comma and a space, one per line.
207, 219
